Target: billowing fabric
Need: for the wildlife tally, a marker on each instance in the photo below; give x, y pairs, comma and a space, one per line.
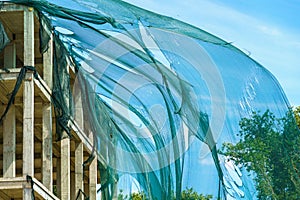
160, 97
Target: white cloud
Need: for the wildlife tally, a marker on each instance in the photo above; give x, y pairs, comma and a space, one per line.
270, 30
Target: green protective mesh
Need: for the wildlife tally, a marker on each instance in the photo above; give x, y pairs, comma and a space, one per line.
4, 40
166, 102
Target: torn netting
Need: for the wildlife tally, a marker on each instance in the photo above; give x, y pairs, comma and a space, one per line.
160, 96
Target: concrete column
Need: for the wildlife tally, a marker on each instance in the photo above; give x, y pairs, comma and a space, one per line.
28, 101
9, 144
28, 96
65, 168
9, 123
47, 178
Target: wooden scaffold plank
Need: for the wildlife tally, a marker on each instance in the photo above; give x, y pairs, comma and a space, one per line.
4, 196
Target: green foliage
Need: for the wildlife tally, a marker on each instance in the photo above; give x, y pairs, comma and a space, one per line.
133, 196
121, 196
138, 196
297, 115
270, 148
188, 194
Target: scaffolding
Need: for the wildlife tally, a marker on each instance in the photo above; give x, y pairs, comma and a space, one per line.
33, 163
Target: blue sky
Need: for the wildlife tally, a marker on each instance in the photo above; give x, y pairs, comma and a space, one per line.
269, 30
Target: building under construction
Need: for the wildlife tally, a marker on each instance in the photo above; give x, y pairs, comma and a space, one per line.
103, 97
33, 162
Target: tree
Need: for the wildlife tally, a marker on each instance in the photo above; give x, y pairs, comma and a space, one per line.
188, 194
132, 196
297, 115
270, 148
138, 196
